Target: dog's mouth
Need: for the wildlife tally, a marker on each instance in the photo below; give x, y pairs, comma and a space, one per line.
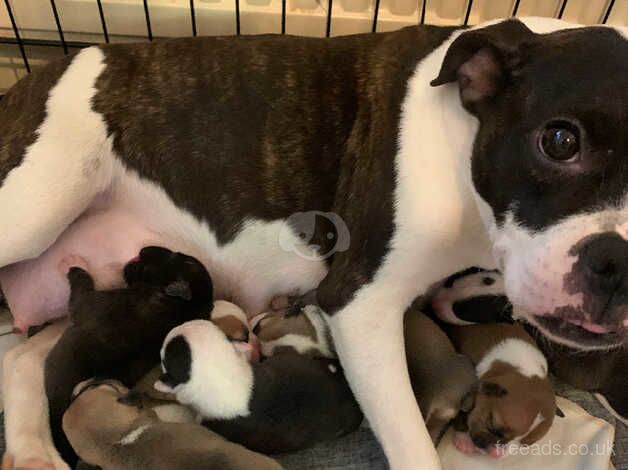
578, 333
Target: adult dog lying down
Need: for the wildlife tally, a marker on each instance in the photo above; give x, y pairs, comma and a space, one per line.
372, 165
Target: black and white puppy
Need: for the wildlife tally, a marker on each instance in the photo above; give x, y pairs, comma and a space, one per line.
284, 403
471, 296
118, 333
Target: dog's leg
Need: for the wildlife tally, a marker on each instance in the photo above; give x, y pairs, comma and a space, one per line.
368, 336
28, 441
62, 171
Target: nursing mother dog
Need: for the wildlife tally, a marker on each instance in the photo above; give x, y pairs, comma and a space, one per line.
437, 148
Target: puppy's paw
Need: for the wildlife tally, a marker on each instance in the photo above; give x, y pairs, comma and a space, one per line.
71, 261
463, 442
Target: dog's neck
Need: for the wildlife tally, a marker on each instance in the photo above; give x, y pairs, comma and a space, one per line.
436, 203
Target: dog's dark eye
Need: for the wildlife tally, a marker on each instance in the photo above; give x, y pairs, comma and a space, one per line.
560, 141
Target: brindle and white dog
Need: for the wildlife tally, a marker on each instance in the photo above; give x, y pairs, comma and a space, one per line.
370, 166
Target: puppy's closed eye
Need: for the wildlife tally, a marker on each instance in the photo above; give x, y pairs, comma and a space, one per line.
492, 389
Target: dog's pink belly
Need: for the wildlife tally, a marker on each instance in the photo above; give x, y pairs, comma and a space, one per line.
36, 290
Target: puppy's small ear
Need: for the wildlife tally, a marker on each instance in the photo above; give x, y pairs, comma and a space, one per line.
559, 413
483, 60
492, 389
179, 289
132, 398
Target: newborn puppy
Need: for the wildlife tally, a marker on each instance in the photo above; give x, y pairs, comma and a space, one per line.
111, 429
301, 330
515, 402
442, 379
234, 323
474, 295
118, 333
285, 403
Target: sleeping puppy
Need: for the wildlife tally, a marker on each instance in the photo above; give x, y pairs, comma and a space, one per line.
472, 296
233, 322
476, 295
440, 377
442, 380
118, 333
515, 402
111, 429
285, 403
298, 329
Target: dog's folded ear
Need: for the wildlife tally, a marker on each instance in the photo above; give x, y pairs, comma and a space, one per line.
483, 60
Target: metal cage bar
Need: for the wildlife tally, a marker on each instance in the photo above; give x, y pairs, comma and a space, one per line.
609, 10
423, 10
562, 9
283, 16
103, 22
18, 38
468, 13
515, 8
193, 18
21, 42
375, 15
55, 13
149, 29
328, 25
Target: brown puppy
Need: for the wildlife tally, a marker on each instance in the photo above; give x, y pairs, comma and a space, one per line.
110, 431
302, 330
234, 323
441, 378
515, 402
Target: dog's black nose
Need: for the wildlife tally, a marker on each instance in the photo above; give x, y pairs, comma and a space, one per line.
605, 259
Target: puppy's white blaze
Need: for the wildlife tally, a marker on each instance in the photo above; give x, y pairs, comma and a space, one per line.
134, 435
67, 165
222, 309
528, 360
221, 379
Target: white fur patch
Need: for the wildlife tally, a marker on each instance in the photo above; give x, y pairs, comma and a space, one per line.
240, 269
535, 263
221, 381
134, 435
528, 360
62, 170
